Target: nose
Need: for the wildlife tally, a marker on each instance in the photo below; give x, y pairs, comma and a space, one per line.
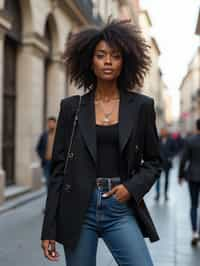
108, 59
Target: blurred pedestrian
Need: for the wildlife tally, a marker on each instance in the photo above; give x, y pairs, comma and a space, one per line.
113, 151
178, 143
44, 147
167, 151
190, 170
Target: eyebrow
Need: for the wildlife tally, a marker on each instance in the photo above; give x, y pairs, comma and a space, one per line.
103, 51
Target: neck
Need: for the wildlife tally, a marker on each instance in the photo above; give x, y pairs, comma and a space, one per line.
107, 89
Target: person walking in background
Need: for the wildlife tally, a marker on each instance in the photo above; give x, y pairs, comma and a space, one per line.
113, 156
178, 143
189, 170
167, 151
44, 147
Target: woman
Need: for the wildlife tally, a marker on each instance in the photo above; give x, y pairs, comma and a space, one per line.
114, 158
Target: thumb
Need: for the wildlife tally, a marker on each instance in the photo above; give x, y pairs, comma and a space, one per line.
110, 193
52, 247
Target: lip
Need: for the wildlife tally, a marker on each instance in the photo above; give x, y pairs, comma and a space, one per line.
107, 71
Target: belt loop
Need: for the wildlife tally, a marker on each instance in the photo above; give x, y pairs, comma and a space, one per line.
109, 184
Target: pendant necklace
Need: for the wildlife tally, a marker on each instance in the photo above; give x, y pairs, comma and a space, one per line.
107, 115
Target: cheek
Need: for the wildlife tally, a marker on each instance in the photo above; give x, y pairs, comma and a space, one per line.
96, 65
119, 66
95, 70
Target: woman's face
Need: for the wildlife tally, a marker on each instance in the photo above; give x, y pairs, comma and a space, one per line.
107, 62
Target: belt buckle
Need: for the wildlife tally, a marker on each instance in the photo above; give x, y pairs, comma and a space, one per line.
99, 183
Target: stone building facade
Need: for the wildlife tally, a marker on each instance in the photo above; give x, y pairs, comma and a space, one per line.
32, 76
190, 95
190, 91
153, 85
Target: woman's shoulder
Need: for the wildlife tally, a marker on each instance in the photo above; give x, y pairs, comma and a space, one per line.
144, 99
70, 101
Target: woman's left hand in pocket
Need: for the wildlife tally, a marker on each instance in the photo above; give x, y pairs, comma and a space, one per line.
119, 192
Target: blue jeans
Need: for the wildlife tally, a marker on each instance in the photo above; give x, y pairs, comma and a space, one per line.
166, 174
114, 222
194, 189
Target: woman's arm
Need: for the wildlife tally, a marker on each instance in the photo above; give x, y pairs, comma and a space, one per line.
141, 182
56, 175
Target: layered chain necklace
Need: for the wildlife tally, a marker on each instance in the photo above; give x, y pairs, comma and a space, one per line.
107, 115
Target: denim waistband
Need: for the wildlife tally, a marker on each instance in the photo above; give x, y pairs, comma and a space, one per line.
107, 183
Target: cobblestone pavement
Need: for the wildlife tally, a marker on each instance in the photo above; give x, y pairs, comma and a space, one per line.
20, 232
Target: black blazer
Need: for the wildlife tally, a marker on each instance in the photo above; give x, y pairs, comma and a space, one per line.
190, 160
69, 194
167, 152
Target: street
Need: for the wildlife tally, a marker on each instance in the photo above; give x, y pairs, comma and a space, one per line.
20, 233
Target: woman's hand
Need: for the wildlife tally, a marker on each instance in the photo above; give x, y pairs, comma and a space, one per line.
120, 192
49, 249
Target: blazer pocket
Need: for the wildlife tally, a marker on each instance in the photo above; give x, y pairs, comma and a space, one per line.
67, 188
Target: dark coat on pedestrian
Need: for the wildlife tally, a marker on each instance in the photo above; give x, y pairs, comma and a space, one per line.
167, 152
190, 160
41, 147
69, 194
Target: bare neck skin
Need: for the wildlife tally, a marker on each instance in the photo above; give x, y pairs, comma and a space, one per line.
107, 90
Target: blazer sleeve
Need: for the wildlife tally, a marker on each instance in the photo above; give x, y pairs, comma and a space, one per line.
141, 181
56, 175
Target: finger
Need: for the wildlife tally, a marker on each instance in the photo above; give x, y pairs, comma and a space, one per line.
52, 246
45, 246
52, 250
121, 197
48, 253
110, 193
52, 256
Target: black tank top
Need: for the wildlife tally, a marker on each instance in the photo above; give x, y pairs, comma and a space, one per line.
108, 153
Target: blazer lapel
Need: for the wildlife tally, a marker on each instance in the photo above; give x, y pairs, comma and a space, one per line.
128, 114
87, 123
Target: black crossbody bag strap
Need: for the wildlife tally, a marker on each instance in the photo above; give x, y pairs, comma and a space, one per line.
72, 134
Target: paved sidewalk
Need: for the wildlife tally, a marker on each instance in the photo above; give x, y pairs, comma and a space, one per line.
173, 223
20, 232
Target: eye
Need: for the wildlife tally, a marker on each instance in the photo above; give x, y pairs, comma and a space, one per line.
116, 56
99, 56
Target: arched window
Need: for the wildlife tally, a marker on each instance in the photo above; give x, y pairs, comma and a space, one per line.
12, 42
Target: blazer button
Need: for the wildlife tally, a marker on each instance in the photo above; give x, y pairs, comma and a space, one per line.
67, 187
71, 155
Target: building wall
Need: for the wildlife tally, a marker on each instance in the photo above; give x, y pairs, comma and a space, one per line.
189, 99
30, 69
2, 173
153, 84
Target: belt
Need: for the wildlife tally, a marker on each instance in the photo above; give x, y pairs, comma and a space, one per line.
107, 183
